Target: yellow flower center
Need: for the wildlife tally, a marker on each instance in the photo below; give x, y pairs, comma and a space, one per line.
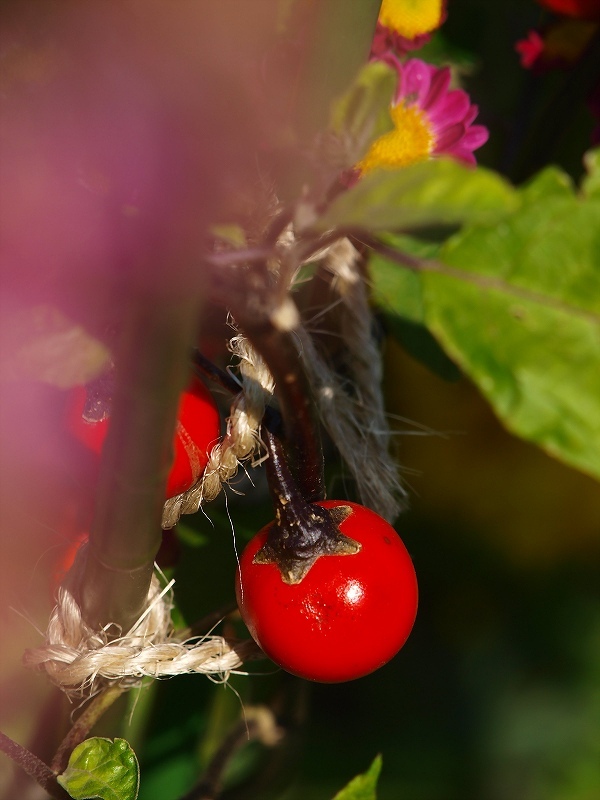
411, 140
411, 18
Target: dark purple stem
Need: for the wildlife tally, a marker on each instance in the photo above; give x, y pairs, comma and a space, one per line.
33, 766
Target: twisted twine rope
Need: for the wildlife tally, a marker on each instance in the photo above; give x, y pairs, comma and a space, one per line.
81, 660
241, 441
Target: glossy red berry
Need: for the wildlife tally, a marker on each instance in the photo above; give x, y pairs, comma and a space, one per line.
197, 430
347, 617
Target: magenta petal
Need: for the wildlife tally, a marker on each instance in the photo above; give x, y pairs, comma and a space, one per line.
453, 108
449, 137
416, 79
475, 136
461, 154
439, 85
473, 111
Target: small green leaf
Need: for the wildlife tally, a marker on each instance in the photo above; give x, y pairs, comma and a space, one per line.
42, 343
435, 192
363, 787
362, 114
102, 769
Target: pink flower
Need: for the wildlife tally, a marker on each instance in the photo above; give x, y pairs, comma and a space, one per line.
430, 119
530, 49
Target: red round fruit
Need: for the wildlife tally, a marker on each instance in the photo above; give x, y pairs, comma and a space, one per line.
347, 617
197, 430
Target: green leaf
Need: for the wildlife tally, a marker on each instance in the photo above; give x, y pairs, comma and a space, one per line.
396, 290
517, 306
398, 293
102, 769
42, 343
435, 192
363, 787
363, 113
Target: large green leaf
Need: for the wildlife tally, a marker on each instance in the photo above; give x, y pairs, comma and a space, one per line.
435, 192
517, 306
102, 768
363, 787
399, 295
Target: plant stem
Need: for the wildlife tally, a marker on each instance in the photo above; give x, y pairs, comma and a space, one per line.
33, 766
126, 532
83, 726
214, 373
300, 422
259, 724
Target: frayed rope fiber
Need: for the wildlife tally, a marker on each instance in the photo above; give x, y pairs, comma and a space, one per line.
81, 661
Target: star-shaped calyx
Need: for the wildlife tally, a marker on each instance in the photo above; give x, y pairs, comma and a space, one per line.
303, 530
301, 535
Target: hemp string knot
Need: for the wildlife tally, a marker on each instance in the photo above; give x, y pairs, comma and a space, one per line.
81, 661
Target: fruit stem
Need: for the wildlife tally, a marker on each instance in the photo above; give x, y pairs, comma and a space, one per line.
291, 509
259, 724
303, 531
278, 348
83, 725
206, 367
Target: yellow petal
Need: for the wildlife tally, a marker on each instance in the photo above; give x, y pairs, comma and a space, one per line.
411, 18
411, 141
